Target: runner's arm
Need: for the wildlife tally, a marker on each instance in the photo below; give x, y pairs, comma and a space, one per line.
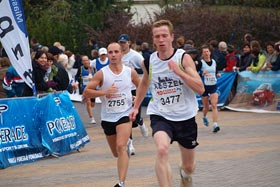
97, 81
140, 93
188, 73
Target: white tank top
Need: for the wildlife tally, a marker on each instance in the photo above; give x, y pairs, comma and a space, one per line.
209, 79
133, 59
119, 104
171, 97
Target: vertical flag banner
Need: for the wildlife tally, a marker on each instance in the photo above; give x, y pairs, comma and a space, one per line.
14, 38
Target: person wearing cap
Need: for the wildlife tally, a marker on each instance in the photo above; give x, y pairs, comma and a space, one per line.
101, 61
132, 58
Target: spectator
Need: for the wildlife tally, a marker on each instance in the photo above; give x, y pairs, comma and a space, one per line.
51, 70
275, 66
35, 45
92, 44
245, 58
193, 52
78, 61
248, 38
94, 54
59, 46
258, 57
221, 58
45, 49
270, 56
63, 60
213, 44
62, 76
231, 59
187, 47
38, 74
5, 64
13, 84
191, 42
71, 60
136, 47
180, 42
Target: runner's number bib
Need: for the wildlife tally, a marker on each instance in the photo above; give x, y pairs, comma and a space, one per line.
116, 103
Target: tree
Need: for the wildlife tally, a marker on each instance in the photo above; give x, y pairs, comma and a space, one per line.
65, 20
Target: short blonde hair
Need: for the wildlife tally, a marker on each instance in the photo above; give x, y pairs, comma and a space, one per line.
163, 22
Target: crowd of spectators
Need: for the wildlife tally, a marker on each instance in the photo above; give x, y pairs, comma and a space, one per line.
63, 64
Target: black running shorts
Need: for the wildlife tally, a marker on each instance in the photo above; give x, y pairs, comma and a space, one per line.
184, 132
209, 90
109, 128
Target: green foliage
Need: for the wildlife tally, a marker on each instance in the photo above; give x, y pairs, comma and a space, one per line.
65, 21
73, 22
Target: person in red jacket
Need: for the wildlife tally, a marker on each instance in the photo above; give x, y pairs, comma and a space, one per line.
231, 59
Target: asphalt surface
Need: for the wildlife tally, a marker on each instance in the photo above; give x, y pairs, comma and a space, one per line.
245, 153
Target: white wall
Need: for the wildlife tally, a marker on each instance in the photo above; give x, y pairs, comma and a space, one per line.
143, 12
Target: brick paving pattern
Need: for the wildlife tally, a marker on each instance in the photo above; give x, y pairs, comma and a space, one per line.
245, 153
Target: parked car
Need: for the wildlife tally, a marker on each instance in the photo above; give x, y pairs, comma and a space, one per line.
264, 94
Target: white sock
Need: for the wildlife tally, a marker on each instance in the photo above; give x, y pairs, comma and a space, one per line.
184, 174
215, 124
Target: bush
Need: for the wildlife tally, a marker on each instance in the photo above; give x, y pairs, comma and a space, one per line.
201, 23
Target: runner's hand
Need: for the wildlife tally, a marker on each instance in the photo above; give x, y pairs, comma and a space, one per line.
133, 114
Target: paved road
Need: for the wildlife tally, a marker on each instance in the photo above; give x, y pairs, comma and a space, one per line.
245, 153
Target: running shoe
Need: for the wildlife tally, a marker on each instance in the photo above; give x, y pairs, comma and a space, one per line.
130, 148
144, 130
216, 128
205, 121
92, 120
117, 185
185, 182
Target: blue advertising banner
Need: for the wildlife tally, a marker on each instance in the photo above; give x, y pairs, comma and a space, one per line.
257, 92
20, 138
61, 127
32, 128
224, 84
